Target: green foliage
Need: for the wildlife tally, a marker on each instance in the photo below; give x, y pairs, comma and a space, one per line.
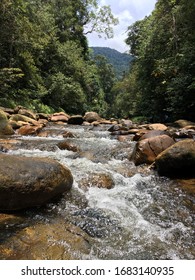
44, 57
163, 45
100, 19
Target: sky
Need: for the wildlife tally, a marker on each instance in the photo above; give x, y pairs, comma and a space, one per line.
127, 12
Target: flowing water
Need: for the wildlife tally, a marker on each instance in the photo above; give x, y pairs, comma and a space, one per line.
143, 216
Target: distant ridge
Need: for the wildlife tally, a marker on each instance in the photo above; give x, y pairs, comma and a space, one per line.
120, 61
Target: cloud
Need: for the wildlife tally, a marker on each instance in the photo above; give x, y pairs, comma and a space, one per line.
127, 11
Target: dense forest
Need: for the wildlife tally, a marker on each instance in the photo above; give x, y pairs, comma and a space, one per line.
161, 83
46, 63
44, 56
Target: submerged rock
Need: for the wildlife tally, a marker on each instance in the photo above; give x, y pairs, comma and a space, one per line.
178, 160
28, 182
98, 180
56, 241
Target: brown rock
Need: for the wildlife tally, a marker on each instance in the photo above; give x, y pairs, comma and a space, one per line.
28, 182
183, 123
147, 150
29, 129
7, 144
139, 134
56, 241
68, 134
22, 118
152, 133
99, 180
67, 146
91, 117
5, 128
61, 116
178, 160
28, 113
158, 126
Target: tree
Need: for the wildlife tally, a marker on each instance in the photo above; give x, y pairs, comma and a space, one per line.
163, 46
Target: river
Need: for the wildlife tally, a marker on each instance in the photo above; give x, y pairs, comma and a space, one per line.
143, 216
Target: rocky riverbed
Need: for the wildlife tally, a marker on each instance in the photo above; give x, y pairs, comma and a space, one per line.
82, 187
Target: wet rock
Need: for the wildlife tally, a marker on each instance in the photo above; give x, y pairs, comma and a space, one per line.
5, 128
8, 144
76, 119
120, 132
29, 129
99, 180
126, 124
9, 220
152, 133
17, 124
183, 123
43, 116
67, 146
158, 126
43, 122
184, 133
28, 113
178, 160
61, 116
57, 241
139, 134
68, 134
188, 186
91, 117
8, 111
115, 127
147, 150
103, 121
21, 118
124, 138
28, 182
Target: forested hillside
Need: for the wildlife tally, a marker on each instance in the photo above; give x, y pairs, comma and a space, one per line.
46, 63
44, 55
161, 83
120, 61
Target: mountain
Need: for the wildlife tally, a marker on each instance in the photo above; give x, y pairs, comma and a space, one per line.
120, 61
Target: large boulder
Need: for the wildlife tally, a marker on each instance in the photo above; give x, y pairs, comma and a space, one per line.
28, 182
91, 117
146, 150
178, 160
5, 128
